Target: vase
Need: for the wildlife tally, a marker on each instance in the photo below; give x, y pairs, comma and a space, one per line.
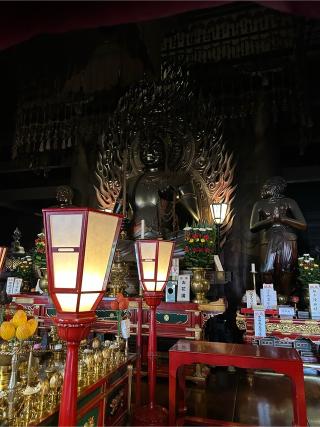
199, 285
43, 280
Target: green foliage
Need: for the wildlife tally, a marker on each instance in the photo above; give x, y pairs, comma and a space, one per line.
309, 270
39, 253
199, 246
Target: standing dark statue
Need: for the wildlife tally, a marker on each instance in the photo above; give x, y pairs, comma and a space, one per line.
277, 217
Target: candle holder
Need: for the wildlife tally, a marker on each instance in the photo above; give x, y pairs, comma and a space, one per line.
295, 299
254, 273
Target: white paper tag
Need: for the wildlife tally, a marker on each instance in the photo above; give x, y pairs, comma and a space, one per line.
17, 285
259, 323
314, 292
251, 298
267, 286
9, 287
125, 328
286, 311
268, 298
183, 293
175, 269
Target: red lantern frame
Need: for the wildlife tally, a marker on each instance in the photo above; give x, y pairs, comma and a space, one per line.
77, 290
140, 260
73, 326
152, 414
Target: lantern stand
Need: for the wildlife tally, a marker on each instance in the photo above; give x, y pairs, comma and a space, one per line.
71, 331
219, 213
80, 245
153, 414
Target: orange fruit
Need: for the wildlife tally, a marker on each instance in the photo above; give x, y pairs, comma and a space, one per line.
124, 304
23, 332
32, 324
114, 305
7, 331
19, 318
119, 296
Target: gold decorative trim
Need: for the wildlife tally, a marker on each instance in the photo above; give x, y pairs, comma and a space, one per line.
213, 306
309, 327
241, 322
135, 304
21, 300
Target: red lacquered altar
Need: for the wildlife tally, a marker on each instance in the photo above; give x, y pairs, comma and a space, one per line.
281, 360
301, 334
174, 319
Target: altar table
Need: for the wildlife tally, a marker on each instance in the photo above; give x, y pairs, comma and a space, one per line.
281, 360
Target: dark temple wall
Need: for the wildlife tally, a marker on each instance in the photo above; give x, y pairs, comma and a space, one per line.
261, 68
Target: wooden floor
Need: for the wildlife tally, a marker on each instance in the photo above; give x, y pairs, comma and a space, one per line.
257, 399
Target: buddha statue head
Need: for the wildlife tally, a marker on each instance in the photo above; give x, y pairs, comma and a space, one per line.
152, 154
64, 196
273, 188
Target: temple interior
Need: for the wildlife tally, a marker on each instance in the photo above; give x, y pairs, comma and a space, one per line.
159, 213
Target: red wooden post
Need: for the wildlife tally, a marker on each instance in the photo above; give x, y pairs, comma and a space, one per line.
68, 405
152, 414
139, 353
172, 389
152, 356
72, 333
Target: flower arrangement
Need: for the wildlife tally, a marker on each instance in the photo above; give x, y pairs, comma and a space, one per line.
24, 269
309, 270
39, 254
120, 304
199, 246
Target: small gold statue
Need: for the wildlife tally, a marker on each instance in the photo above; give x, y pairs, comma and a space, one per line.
119, 272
